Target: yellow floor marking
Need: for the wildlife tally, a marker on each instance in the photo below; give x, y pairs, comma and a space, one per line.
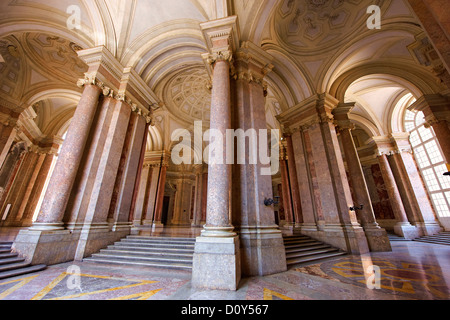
21, 283
61, 277
140, 296
268, 295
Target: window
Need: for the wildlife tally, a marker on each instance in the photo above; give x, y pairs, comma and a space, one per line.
430, 161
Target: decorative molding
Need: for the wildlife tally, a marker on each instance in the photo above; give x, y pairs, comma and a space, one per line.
91, 79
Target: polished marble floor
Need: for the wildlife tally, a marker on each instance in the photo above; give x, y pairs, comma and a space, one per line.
412, 271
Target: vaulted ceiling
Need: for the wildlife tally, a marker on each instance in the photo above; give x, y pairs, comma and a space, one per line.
317, 46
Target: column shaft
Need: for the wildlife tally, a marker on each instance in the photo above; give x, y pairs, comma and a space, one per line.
63, 177
219, 174
296, 203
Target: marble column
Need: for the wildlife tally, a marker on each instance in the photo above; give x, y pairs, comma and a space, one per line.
262, 248
198, 197
19, 193
151, 195
10, 167
296, 203
140, 168
216, 261
411, 186
8, 132
376, 236
286, 192
64, 174
316, 139
79, 200
306, 176
436, 109
127, 173
37, 189
139, 209
204, 197
157, 218
403, 227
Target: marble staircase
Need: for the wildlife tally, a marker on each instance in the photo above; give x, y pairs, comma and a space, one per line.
303, 249
160, 252
12, 265
441, 238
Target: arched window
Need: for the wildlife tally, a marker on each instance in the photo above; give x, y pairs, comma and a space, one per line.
430, 160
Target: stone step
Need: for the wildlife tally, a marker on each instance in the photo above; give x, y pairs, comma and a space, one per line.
310, 253
162, 252
5, 250
21, 271
150, 254
436, 237
12, 266
6, 243
433, 241
8, 255
11, 260
154, 245
104, 260
305, 244
315, 258
119, 256
307, 248
302, 249
151, 249
290, 238
165, 239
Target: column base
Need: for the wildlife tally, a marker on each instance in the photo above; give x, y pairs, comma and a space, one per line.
429, 228
94, 237
46, 247
406, 230
157, 225
216, 263
377, 239
45, 226
262, 251
350, 238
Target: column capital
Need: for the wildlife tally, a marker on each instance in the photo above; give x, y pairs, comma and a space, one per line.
401, 142
115, 81
222, 34
435, 107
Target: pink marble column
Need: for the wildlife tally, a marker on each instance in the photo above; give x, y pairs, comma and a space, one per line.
18, 194
286, 192
403, 227
128, 170
160, 197
63, 177
139, 209
218, 222
151, 195
7, 135
139, 174
38, 187
305, 169
376, 236
296, 203
410, 181
204, 197
198, 198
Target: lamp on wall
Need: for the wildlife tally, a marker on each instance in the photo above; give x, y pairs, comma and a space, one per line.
448, 168
269, 202
355, 208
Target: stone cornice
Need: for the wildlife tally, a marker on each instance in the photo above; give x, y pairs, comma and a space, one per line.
314, 110
117, 82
